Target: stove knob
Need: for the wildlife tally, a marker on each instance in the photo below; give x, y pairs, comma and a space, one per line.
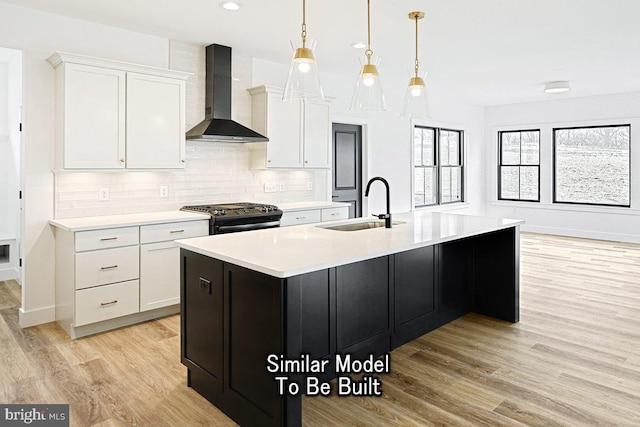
215, 211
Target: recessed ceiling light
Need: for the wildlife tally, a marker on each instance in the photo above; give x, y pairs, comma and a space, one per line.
557, 87
230, 5
358, 45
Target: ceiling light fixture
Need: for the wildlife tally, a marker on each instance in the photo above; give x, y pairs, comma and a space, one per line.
368, 95
230, 5
303, 80
358, 45
557, 87
416, 103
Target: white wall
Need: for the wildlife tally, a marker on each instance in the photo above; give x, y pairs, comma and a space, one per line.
609, 223
5, 148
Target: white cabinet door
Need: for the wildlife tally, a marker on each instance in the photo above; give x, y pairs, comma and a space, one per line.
155, 122
284, 149
159, 275
93, 107
316, 136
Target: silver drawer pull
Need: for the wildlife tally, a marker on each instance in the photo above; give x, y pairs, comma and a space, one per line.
115, 301
108, 238
161, 249
335, 213
110, 267
301, 217
176, 231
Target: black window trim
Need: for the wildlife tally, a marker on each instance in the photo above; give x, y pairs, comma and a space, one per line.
437, 165
500, 165
554, 200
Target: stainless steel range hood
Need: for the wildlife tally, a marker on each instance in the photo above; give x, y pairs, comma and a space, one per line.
217, 125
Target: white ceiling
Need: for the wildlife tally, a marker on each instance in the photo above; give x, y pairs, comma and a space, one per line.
487, 51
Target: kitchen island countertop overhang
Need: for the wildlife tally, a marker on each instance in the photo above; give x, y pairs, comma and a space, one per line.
290, 251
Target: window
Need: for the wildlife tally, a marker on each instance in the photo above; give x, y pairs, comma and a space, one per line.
592, 165
519, 164
438, 168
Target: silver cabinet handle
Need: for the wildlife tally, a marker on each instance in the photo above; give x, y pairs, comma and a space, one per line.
301, 217
110, 267
103, 304
335, 213
176, 231
108, 238
161, 249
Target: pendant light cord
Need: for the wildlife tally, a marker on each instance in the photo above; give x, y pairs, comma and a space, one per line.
368, 52
417, 64
304, 23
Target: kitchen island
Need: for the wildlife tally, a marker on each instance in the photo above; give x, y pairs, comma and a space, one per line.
314, 295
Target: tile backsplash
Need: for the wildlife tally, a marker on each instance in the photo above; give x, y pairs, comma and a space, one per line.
215, 172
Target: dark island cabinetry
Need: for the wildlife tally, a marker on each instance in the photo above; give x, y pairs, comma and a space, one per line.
234, 317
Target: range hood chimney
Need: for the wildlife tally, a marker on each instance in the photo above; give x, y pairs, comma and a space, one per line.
217, 124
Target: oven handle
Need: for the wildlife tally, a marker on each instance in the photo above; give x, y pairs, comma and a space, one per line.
244, 227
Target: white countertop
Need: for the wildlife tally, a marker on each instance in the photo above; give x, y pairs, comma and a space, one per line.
116, 221
301, 206
290, 251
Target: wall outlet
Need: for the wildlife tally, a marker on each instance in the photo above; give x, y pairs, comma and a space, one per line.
104, 194
164, 191
270, 187
282, 187
310, 186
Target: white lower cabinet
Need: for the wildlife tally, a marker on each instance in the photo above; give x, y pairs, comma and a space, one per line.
112, 277
159, 275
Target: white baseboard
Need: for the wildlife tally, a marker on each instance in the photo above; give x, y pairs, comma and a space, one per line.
585, 234
9, 274
37, 317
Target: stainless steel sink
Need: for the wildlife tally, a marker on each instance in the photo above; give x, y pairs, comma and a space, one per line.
355, 226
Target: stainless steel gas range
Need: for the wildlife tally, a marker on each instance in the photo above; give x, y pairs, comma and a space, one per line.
234, 217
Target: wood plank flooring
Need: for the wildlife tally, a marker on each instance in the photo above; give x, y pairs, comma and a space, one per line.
574, 359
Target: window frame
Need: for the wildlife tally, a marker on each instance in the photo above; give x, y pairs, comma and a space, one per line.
438, 166
519, 165
554, 166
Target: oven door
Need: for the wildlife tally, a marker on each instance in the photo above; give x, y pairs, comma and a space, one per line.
234, 228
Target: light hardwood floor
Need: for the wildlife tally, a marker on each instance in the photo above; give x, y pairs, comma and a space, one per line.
574, 359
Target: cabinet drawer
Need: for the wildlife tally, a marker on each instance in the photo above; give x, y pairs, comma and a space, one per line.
335, 213
107, 238
106, 302
173, 231
300, 217
106, 266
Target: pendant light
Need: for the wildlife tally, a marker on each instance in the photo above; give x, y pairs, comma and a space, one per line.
368, 95
303, 80
416, 102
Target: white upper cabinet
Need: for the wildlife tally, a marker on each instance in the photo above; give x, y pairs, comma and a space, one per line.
155, 121
112, 115
93, 126
298, 131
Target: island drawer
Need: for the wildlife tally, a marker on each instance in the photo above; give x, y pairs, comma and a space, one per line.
300, 217
106, 302
107, 266
174, 230
106, 238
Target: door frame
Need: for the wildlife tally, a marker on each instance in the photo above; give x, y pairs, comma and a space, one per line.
365, 123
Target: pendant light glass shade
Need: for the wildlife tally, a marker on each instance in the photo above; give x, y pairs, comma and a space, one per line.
416, 101
303, 80
368, 95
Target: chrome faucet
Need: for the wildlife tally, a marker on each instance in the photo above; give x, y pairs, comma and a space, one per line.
387, 216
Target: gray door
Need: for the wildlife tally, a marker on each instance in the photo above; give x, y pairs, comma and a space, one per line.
347, 166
